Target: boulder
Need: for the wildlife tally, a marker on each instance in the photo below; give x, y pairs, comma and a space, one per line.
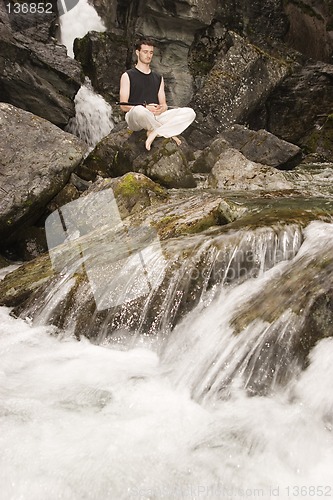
36, 161
142, 273
241, 79
310, 28
124, 151
263, 147
206, 159
258, 146
93, 51
36, 75
133, 192
232, 171
299, 106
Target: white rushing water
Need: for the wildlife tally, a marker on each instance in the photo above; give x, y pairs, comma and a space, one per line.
80, 421
93, 116
76, 23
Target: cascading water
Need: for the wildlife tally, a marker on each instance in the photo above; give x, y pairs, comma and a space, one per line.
93, 115
205, 392
173, 419
76, 23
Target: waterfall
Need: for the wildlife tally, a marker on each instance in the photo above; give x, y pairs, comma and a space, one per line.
93, 115
76, 23
173, 418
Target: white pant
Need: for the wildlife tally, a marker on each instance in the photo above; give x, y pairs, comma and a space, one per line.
171, 122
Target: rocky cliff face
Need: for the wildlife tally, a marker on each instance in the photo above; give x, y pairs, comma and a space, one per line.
35, 72
234, 62
258, 74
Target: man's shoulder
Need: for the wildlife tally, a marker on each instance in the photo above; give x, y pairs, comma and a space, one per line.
135, 71
156, 75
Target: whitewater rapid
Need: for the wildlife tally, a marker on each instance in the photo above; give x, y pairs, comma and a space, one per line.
82, 421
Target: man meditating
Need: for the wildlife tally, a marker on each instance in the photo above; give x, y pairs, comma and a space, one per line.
143, 90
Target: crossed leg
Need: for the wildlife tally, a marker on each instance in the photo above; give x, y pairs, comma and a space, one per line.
169, 124
152, 134
177, 141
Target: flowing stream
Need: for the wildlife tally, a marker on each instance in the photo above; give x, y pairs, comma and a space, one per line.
197, 413
93, 115
77, 21
145, 420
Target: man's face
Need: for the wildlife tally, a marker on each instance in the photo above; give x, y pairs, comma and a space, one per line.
145, 54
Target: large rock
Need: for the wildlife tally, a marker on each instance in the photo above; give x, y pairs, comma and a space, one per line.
240, 80
36, 160
143, 271
233, 171
300, 105
37, 76
258, 146
310, 28
93, 51
124, 151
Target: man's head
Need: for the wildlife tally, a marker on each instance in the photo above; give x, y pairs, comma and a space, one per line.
144, 49
144, 41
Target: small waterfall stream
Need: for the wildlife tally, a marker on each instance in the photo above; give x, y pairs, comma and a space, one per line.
93, 115
76, 23
211, 384
172, 417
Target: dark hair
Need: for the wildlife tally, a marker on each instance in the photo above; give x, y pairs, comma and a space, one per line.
143, 41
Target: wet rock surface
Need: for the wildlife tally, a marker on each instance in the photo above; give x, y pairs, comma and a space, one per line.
141, 237
35, 72
124, 151
36, 161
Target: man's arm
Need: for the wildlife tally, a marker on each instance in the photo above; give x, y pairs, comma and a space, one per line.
162, 106
161, 100
124, 91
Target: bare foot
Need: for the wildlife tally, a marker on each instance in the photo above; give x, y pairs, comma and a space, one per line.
177, 141
151, 135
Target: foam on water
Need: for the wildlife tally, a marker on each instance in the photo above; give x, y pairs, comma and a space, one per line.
93, 116
80, 421
77, 22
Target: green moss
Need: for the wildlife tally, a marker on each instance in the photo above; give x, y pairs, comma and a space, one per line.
129, 185
321, 139
172, 225
20, 283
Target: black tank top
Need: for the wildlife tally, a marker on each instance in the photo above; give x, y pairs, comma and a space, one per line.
144, 88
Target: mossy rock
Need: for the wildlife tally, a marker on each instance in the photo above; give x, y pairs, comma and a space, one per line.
19, 284
320, 140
